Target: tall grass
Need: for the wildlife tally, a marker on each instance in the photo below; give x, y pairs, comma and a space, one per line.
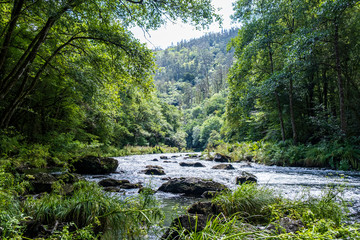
251, 208
89, 205
248, 201
10, 209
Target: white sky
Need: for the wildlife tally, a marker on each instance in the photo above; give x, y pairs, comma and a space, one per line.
173, 33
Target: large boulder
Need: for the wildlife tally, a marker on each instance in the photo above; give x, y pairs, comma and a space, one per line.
109, 183
205, 208
186, 224
191, 164
221, 158
191, 186
95, 165
41, 182
246, 177
223, 166
153, 170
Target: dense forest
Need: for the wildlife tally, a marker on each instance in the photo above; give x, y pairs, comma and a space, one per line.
68, 75
193, 77
75, 84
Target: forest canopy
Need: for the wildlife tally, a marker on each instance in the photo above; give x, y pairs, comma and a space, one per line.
74, 67
297, 71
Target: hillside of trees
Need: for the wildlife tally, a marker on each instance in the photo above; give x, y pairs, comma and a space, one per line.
194, 70
294, 81
193, 77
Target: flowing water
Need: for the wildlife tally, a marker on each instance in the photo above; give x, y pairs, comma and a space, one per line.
290, 181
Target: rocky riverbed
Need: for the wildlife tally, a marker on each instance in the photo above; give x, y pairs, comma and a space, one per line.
290, 181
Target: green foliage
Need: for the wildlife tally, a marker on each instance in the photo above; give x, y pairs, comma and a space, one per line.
248, 201
322, 216
85, 233
336, 155
79, 78
284, 83
217, 227
11, 213
90, 206
192, 76
194, 70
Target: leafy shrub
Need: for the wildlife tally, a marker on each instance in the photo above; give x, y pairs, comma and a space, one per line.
10, 209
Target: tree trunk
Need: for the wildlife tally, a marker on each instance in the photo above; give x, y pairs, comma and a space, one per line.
343, 122
325, 90
7, 39
292, 117
277, 97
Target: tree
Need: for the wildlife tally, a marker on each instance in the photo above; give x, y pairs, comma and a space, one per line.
293, 50
40, 38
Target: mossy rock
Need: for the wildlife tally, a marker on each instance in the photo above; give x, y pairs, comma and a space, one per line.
95, 165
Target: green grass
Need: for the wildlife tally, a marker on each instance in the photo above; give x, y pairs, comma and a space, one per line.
251, 208
249, 201
89, 205
87, 212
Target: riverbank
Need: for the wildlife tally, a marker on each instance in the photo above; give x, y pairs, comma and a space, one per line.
254, 212
341, 155
60, 216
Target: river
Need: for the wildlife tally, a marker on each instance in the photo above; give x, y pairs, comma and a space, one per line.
291, 182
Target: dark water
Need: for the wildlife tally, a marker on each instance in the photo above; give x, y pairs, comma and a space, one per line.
290, 181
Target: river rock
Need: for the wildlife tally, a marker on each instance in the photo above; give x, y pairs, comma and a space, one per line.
191, 186
287, 224
164, 157
113, 189
196, 164
69, 178
153, 170
95, 165
246, 177
154, 166
155, 160
207, 209
187, 223
41, 182
111, 182
223, 166
221, 158
209, 194
121, 184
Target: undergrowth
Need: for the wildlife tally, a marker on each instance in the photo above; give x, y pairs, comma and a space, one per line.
87, 213
322, 217
342, 155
